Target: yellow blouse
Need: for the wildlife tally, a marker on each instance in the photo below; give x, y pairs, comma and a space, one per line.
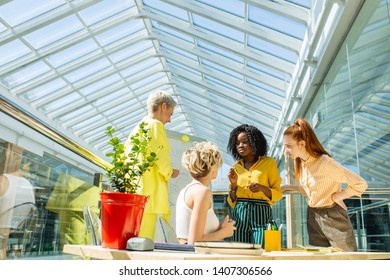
264, 172
155, 181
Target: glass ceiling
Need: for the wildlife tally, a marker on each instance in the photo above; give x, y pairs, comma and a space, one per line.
83, 65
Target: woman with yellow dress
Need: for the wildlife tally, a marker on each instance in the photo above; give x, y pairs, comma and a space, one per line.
154, 183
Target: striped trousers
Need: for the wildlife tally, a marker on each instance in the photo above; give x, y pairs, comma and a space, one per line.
251, 216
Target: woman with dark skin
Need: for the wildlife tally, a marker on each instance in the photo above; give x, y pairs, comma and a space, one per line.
254, 184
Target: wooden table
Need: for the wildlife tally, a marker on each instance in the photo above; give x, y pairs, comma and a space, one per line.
97, 252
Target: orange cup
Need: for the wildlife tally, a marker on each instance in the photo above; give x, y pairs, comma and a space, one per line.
272, 240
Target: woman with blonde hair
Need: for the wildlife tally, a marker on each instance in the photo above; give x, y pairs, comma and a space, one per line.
195, 216
321, 179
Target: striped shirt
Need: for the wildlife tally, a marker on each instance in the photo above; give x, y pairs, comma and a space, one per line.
321, 177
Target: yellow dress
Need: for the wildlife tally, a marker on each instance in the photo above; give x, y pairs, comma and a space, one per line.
154, 182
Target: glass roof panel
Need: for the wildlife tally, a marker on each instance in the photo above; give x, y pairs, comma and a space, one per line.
218, 67
236, 8
141, 66
272, 49
224, 103
222, 84
104, 9
126, 123
257, 99
265, 87
73, 52
75, 114
122, 120
179, 51
121, 31
26, 74
13, 50
26, 10
59, 102
220, 51
86, 122
136, 47
131, 51
44, 90
266, 70
95, 134
183, 67
123, 107
302, 3
88, 70
112, 96
165, 29
2, 28
149, 80
54, 32
167, 9
218, 28
277, 22
99, 84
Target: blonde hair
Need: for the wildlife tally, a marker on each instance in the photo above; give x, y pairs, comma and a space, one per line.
200, 159
159, 97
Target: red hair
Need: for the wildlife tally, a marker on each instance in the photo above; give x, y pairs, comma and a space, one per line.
302, 131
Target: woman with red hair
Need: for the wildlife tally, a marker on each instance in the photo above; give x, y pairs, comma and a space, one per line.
321, 179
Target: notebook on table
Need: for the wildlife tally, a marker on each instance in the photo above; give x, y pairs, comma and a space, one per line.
174, 247
221, 247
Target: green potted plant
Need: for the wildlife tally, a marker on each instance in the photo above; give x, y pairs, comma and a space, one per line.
122, 207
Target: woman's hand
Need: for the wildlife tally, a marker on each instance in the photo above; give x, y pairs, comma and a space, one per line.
285, 188
336, 198
227, 227
175, 173
255, 187
233, 177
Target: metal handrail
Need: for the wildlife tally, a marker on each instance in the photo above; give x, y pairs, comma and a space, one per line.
32, 122
367, 191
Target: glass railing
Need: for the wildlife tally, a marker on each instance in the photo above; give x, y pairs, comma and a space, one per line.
41, 201
369, 215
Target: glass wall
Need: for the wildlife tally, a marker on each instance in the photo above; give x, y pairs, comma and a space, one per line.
351, 116
43, 187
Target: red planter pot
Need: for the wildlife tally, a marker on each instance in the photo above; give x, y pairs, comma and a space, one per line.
121, 217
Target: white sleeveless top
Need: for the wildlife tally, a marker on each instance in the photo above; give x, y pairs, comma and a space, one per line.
183, 216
